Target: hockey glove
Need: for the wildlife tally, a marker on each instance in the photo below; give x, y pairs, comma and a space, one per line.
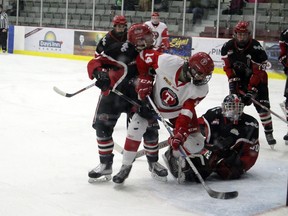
144, 87
146, 111
249, 96
283, 60
102, 77
178, 139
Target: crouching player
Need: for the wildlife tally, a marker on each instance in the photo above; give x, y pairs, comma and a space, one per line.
231, 146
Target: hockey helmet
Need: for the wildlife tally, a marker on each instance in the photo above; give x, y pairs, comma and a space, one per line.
232, 107
155, 18
141, 36
199, 68
119, 20
242, 33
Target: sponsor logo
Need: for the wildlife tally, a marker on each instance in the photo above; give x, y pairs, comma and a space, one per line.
50, 42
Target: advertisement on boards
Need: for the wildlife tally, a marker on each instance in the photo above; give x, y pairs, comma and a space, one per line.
85, 42
273, 52
210, 46
49, 40
180, 45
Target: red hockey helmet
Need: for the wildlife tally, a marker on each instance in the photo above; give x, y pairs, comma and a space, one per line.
141, 36
232, 108
242, 33
242, 27
200, 68
119, 20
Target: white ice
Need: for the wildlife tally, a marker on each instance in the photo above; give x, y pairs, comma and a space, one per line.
48, 146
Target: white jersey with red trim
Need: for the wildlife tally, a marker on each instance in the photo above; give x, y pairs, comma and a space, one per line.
160, 33
169, 94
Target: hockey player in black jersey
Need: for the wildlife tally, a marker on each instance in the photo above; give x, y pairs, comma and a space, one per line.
114, 67
283, 59
231, 145
245, 63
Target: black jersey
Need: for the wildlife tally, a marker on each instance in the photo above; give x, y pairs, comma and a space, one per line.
124, 52
109, 39
246, 130
240, 60
284, 36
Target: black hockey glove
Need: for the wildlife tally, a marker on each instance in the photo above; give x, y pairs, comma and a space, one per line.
146, 111
283, 60
251, 94
102, 77
221, 143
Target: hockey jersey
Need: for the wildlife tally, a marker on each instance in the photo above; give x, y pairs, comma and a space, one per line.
161, 35
169, 94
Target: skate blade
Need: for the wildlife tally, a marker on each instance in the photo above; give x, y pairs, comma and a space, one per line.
105, 178
286, 142
272, 146
159, 178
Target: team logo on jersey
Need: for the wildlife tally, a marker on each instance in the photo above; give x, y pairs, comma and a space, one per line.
168, 97
234, 131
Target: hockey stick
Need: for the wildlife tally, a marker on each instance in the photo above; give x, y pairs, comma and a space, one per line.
212, 193
57, 90
266, 108
141, 152
120, 94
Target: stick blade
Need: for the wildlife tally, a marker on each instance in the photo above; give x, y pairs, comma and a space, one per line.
58, 91
223, 195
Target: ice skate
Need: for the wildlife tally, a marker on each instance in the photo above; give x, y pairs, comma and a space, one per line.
158, 171
120, 177
103, 171
173, 165
270, 139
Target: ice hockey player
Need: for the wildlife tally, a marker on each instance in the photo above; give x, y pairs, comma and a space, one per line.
231, 145
114, 67
160, 31
245, 63
283, 59
179, 86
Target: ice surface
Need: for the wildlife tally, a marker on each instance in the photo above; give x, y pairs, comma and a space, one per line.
48, 146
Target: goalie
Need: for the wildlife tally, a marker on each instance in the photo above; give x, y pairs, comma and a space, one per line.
231, 146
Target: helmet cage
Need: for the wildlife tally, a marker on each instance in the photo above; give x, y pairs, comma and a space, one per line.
199, 78
232, 107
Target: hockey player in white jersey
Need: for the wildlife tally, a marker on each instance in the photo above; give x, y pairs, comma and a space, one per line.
179, 86
160, 32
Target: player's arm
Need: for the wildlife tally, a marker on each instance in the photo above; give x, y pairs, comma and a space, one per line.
165, 39
283, 44
146, 61
185, 124
108, 72
227, 67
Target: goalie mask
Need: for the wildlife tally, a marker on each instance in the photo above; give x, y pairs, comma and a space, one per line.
232, 108
141, 36
198, 69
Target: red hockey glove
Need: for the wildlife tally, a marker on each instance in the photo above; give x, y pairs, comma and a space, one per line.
144, 87
178, 139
